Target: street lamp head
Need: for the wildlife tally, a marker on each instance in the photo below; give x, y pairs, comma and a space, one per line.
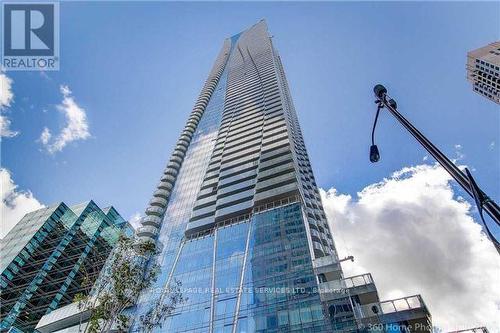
374, 154
379, 91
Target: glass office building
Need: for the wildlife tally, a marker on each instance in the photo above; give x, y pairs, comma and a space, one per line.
483, 71
238, 219
46, 257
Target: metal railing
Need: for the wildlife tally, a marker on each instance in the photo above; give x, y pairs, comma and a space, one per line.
414, 302
346, 283
402, 304
472, 330
324, 261
358, 280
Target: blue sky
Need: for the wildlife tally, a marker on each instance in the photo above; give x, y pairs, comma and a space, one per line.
137, 68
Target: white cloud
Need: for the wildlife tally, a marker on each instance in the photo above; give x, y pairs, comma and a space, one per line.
135, 220
492, 145
458, 152
415, 237
45, 136
5, 130
76, 127
6, 97
15, 203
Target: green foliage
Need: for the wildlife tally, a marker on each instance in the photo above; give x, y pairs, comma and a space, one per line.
122, 280
162, 307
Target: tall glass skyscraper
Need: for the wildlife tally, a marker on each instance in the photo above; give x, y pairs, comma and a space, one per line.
238, 218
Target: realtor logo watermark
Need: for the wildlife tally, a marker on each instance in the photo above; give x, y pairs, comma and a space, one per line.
30, 36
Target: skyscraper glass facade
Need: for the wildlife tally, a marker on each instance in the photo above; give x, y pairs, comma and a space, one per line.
46, 257
238, 220
483, 71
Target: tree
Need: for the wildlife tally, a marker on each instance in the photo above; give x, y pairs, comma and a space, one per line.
163, 307
123, 278
89, 272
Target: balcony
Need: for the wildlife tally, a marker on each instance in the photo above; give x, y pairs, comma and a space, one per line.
165, 186
161, 193
173, 164
328, 268
411, 310
168, 178
158, 211
358, 280
152, 220
157, 201
325, 261
472, 330
172, 172
360, 285
147, 231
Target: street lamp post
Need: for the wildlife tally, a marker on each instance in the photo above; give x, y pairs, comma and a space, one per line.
464, 179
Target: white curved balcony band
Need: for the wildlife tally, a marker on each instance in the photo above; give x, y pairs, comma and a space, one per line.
181, 148
148, 231
152, 210
173, 164
168, 178
185, 137
157, 201
190, 128
179, 151
179, 154
195, 116
161, 193
170, 171
151, 220
165, 186
146, 239
175, 158
182, 140
183, 143
188, 134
